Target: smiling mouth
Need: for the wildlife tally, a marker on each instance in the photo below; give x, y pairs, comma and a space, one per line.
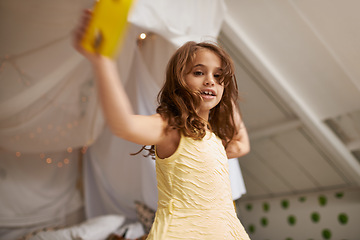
208, 93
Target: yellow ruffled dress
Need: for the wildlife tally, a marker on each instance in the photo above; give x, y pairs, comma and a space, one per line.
195, 199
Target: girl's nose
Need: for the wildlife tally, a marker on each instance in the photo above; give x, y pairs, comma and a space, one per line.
209, 81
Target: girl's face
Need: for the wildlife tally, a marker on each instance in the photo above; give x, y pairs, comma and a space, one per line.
204, 76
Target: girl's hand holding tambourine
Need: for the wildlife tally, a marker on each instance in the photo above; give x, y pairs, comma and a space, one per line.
78, 35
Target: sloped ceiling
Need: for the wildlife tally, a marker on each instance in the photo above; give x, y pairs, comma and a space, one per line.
297, 67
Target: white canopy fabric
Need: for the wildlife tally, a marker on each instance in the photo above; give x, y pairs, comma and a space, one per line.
180, 21
48, 111
49, 108
33, 192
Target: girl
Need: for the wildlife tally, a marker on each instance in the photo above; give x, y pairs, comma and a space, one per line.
197, 127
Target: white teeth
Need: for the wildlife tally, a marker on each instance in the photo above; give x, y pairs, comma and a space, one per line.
208, 93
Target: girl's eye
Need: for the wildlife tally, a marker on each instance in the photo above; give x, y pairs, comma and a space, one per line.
198, 73
216, 75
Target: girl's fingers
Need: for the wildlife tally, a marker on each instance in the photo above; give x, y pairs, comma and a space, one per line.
84, 22
86, 18
80, 31
86, 15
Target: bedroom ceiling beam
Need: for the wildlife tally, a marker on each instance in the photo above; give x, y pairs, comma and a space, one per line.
274, 129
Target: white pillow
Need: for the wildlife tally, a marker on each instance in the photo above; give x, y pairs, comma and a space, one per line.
98, 228
131, 231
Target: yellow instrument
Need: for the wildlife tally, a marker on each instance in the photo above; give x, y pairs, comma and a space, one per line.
107, 28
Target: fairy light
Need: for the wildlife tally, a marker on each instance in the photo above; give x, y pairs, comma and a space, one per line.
142, 36
48, 133
84, 149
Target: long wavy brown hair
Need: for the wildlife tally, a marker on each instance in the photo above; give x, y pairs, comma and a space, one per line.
178, 103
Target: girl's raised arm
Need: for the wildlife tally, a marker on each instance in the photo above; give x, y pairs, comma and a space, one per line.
144, 130
240, 144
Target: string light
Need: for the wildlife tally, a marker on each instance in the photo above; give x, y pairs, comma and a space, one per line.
84, 149
142, 36
45, 132
49, 127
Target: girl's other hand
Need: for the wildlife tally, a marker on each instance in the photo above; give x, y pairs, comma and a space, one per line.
79, 33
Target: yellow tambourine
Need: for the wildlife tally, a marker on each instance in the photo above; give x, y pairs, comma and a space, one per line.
107, 27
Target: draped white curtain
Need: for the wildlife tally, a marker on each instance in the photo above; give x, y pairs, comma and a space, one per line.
49, 111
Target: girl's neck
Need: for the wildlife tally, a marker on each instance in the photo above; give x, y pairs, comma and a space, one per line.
204, 115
